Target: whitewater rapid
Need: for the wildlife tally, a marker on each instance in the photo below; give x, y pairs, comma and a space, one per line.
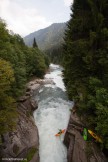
52, 114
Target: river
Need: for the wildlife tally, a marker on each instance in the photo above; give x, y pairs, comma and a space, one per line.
52, 114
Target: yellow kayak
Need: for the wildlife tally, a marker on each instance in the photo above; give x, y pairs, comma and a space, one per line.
95, 136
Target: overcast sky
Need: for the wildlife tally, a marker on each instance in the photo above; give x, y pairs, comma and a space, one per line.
27, 16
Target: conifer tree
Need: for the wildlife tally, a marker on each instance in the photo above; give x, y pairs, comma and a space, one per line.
86, 62
35, 44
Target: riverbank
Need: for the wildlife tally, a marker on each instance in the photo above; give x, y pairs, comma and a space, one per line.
20, 143
23, 143
78, 149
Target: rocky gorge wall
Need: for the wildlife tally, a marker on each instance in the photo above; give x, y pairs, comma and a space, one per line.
78, 149
24, 140
23, 143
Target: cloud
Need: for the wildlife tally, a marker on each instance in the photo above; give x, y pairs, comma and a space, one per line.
68, 2
21, 20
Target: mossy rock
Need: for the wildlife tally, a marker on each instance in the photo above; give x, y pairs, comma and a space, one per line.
30, 154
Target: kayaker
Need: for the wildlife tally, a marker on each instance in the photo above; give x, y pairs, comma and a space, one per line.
60, 131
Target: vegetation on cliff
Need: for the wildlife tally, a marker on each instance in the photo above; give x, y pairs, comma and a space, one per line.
17, 64
86, 63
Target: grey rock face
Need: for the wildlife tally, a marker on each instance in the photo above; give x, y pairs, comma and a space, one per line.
78, 149
18, 144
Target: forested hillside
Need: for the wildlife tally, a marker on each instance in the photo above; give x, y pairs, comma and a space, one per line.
86, 63
18, 64
49, 40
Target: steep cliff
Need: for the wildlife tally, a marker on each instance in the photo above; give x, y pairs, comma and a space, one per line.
78, 149
23, 143
24, 140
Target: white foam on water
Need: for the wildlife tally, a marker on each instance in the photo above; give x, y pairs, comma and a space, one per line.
49, 85
53, 113
56, 76
49, 119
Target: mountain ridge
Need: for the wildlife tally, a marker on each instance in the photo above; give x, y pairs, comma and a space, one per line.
48, 37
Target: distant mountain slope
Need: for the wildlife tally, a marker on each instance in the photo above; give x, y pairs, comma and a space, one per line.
47, 38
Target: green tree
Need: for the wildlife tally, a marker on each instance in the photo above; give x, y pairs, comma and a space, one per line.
7, 103
17, 64
11, 49
35, 44
36, 62
86, 64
